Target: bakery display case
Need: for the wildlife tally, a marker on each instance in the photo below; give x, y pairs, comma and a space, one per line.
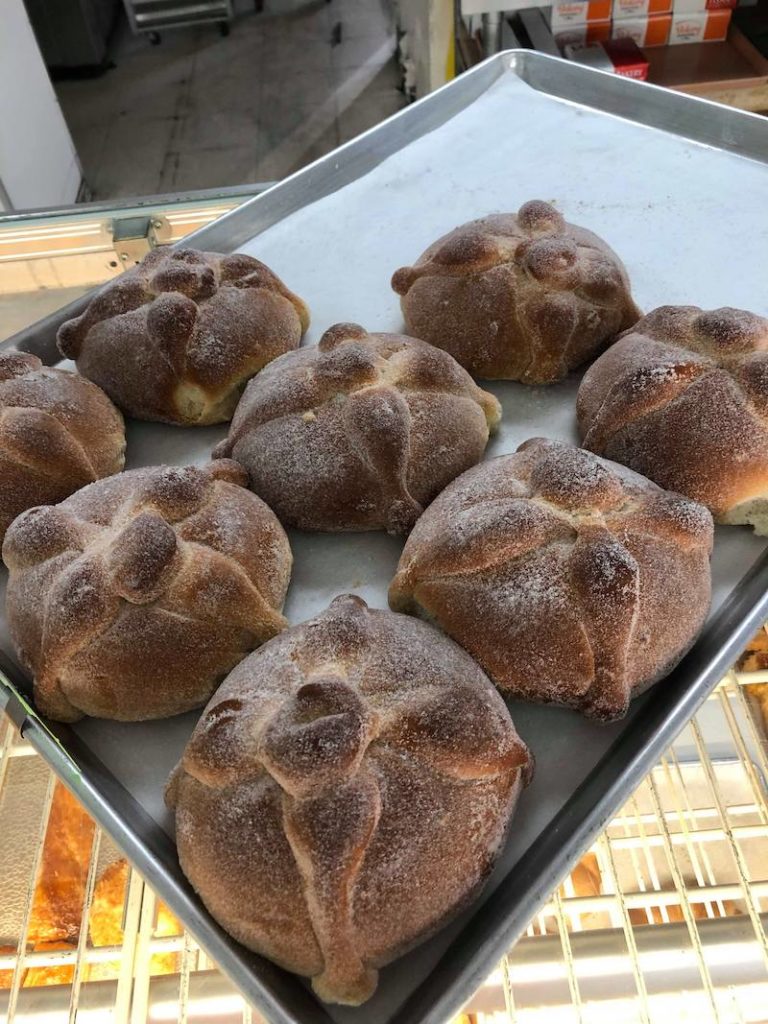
657, 822
664, 917
49, 257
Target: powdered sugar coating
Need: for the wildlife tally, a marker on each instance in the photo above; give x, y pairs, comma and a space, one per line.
58, 432
319, 799
135, 596
522, 296
570, 579
359, 433
683, 398
176, 338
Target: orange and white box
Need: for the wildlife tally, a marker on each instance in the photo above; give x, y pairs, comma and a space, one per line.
583, 35
578, 12
619, 56
699, 6
641, 8
705, 27
649, 31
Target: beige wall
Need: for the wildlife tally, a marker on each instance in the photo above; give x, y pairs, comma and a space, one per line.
429, 42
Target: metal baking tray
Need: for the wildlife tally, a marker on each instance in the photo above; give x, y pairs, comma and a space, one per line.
675, 184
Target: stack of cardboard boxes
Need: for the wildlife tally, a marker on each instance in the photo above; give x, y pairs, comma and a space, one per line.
648, 22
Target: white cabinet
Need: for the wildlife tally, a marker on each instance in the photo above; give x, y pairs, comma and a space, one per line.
38, 161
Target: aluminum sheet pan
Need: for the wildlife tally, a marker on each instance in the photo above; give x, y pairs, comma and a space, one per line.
676, 186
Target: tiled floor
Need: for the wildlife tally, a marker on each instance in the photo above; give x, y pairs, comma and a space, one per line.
201, 110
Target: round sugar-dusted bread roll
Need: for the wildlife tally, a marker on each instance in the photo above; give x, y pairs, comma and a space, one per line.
683, 398
360, 432
518, 296
133, 598
176, 338
58, 432
345, 792
570, 579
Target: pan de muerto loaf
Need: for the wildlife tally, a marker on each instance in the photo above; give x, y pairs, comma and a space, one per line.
570, 579
133, 598
360, 432
176, 338
58, 432
345, 792
517, 296
683, 398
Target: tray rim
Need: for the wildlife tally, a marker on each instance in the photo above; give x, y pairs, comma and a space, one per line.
495, 925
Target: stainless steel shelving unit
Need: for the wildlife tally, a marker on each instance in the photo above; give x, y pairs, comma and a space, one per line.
154, 16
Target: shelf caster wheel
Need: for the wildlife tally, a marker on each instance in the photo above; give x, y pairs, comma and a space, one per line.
154, 38
224, 28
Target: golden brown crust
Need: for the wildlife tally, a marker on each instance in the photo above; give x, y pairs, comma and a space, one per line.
176, 338
105, 924
522, 296
134, 597
58, 432
570, 579
319, 798
57, 907
683, 398
755, 655
359, 433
